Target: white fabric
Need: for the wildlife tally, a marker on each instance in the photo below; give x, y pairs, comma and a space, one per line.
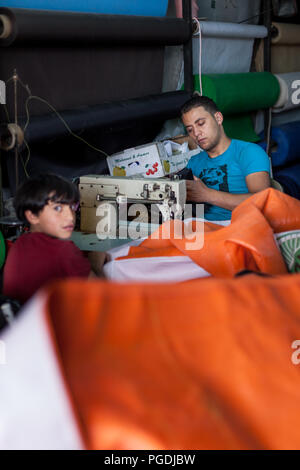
222, 43
218, 29
285, 99
35, 412
153, 269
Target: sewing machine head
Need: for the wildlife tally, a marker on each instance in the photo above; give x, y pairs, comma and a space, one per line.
113, 195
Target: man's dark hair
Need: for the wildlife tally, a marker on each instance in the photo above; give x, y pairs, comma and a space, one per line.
207, 103
35, 193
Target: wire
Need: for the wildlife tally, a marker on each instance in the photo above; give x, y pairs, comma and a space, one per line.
38, 98
27, 159
33, 97
268, 139
247, 19
256, 16
198, 30
13, 77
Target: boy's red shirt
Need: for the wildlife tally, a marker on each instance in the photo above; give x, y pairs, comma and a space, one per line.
37, 258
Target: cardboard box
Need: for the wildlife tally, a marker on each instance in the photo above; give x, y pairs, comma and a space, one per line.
153, 160
144, 160
177, 153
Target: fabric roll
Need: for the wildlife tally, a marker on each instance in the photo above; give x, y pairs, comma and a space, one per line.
24, 26
285, 33
238, 93
287, 139
289, 84
285, 49
283, 94
2, 250
240, 126
121, 7
289, 178
162, 106
215, 29
222, 43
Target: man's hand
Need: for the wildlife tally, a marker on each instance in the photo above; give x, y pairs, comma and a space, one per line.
197, 191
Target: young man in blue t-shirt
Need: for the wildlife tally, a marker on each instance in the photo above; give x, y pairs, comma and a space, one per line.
228, 171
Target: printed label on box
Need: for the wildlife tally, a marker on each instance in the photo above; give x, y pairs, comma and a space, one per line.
144, 161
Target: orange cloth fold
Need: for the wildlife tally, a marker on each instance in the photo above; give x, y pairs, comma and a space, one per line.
247, 243
205, 364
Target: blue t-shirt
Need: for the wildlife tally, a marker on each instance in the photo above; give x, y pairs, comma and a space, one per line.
228, 171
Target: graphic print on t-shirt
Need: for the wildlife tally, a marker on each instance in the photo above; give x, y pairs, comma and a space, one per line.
216, 178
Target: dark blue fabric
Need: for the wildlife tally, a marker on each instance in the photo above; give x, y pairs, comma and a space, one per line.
287, 138
289, 178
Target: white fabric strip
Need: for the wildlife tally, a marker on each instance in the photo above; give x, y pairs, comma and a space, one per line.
35, 412
154, 269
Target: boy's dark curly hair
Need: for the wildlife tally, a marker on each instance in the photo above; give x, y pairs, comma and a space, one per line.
35, 193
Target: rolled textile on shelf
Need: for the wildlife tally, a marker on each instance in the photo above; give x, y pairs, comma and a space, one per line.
285, 33
289, 178
283, 94
289, 84
237, 95
164, 106
287, 139
24, 26
121, 7
285, 49
222, 43
215, 29
243, 92
240, 126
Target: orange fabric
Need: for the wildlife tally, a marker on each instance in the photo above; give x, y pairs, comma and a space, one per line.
204, 364
247, 243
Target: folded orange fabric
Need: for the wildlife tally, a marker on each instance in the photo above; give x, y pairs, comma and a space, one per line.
247, 243
204, 364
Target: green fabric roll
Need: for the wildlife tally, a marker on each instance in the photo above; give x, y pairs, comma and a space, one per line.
240, 92
2, 250
240, 126
237, 95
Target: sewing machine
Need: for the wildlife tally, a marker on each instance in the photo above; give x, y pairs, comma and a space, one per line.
107, 200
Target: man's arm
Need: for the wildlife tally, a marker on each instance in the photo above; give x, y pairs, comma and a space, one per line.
197, 191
